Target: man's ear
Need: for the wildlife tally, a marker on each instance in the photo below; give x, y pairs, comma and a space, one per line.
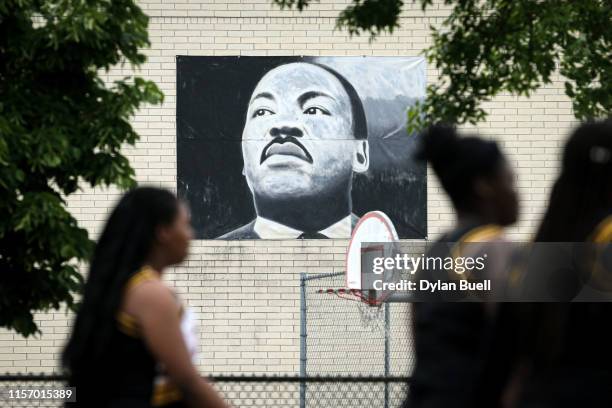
361, 156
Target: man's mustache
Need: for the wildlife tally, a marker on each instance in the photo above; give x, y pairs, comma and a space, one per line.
282, 140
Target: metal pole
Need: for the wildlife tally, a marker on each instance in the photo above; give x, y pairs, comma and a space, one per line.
303, 335
387, 357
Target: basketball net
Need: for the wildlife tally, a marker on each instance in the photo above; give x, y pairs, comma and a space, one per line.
371, 310
372, 316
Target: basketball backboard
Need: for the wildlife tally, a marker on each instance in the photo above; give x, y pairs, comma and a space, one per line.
368, 240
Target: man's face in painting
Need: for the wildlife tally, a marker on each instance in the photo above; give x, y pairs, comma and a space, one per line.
298, 138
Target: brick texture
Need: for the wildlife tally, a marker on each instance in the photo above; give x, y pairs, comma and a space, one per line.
254, 327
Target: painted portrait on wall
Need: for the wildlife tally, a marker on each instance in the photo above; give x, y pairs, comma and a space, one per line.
298, 147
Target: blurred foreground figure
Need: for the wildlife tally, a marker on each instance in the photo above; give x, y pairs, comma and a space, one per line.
560, 354
451, 338
133, 344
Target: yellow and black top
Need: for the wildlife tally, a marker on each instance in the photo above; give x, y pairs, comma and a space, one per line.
450, 337
454, 244
482, 233
140, 378
598, 265
603, 232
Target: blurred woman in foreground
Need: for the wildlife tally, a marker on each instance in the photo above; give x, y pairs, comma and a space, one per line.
451, 339
133, 343
563, 354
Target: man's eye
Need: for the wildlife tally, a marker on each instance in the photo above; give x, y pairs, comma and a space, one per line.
316, 111
262, 112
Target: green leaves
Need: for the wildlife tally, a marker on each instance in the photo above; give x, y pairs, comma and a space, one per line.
372, 16
587, 59
60, 125
299, 4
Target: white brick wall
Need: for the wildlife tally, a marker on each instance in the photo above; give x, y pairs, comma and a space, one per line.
255, 327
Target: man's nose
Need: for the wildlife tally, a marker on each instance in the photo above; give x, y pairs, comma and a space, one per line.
286, 131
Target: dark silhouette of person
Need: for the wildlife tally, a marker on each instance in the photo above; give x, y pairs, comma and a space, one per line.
132, 343
557, 354
451, 338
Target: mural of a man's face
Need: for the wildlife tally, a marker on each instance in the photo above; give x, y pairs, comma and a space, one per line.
299, 139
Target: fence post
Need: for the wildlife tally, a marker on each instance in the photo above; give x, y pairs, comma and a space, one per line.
303, 335
387, 352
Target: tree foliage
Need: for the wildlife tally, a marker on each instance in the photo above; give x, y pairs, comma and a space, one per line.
486, 47
60, 125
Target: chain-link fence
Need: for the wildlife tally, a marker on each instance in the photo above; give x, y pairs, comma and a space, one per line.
341, 335
256, 391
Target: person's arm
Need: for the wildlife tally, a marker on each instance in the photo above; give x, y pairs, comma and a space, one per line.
157, 312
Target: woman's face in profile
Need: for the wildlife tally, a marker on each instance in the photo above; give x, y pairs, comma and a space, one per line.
176, 236
506, 196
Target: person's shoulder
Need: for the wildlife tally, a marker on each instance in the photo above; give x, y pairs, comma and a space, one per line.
603, 231
484, 233
245, 232
148, 293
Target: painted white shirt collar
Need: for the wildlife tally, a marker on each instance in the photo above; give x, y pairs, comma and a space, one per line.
268, 229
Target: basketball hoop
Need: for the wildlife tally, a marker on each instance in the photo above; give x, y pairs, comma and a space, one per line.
372, 316
377, 230
370, 308
352, 294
